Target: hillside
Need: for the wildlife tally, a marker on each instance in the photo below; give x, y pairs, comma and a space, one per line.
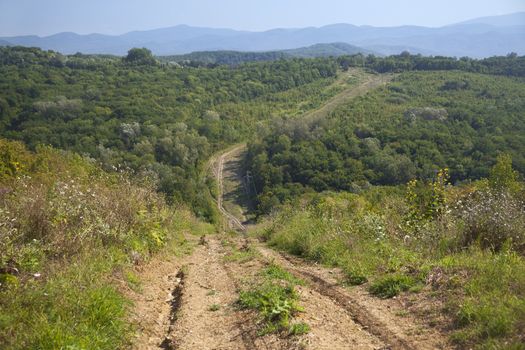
237, 57
513, 19
421, 123
69, 231
149, 117
338, 202
477, 38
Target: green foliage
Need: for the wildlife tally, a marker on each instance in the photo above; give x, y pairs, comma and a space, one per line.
492, 312
299, 328
481, 278
140, 56
75, 307
426, 201
154, 119
14, 159
407, 130
502, 176
275, 299
276, 272
66, 226
241, 256
391, 285
510, 65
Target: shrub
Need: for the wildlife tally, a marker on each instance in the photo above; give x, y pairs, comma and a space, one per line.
492, 218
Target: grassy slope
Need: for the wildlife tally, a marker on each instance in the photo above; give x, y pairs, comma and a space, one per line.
71, 230
482, 291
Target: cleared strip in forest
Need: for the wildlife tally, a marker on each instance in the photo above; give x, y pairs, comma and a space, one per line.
234, 222
370, 82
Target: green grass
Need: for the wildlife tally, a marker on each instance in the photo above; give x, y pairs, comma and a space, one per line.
391, 285
133, 281
78, 233
299, 328
492, 311
275, 299
276, 272
75, 308
483, 291
241, 255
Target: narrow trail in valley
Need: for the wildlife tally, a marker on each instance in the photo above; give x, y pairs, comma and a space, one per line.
234, 187
340, 318
191, 301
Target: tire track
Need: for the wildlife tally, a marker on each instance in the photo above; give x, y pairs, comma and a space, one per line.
393, 331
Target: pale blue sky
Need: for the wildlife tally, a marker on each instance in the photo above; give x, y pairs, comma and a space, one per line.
44, 17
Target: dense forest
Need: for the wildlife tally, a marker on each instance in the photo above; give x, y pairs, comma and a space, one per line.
153, 118
165, 120
234, 58
421, 122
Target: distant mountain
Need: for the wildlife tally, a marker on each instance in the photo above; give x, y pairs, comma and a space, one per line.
238, 57
327, 50
480, 37
513, 19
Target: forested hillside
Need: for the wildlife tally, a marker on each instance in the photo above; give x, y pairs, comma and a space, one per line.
234, 58
416, 125
153, 118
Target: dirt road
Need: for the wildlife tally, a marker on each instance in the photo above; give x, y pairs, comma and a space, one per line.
191, 302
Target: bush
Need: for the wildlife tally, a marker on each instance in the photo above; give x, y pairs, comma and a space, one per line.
492, 218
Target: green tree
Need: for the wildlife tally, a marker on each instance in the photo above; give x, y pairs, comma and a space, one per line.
141, 56
503, 176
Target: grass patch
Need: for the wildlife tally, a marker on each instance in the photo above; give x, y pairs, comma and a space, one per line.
214, 307
133, 281
275, 299
299, 328
275, 304
241, 256
391, 285
276, 272
483, 289
68, 232
77, 308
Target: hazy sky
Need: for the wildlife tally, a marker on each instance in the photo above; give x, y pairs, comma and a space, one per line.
44, 17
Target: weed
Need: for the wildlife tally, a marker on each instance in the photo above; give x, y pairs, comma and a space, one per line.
275, 304
275, 299
274, 271
241, 256
133, 281
214, 307
354, 276
391, 285
299, 328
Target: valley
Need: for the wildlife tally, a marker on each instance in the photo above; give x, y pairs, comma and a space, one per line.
344, 202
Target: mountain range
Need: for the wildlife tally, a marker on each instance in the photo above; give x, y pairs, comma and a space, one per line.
480, 37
